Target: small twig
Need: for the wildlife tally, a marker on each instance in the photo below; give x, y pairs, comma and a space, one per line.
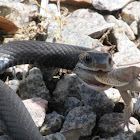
61, 21
58, 21
103, 37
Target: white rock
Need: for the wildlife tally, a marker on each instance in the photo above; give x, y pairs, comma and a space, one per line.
131, 12
109, 5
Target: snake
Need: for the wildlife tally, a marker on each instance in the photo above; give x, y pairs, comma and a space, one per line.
13, 112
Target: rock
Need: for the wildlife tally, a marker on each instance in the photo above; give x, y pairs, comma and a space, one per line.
120, 28
68, 86
53, 123
14, 84
56, 136
83, 21
109, 5
73, 134
37, 108
80, 117
70, 103
98, 101
112, 125
33, 86
113, 94
130, 13
134, 27
17, 12
121, 136
70, 36
128, 52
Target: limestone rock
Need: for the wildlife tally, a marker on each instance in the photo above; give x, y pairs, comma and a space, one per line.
83, 21
109, 5
130, 13
113, 94
16, 11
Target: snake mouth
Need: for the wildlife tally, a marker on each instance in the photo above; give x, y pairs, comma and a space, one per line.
87, 78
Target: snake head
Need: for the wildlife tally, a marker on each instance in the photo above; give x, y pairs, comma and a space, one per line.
95, 60
89, 64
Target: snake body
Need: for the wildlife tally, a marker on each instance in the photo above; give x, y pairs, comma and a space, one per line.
20, 125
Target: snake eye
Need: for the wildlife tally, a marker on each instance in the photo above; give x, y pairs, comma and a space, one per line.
88, 59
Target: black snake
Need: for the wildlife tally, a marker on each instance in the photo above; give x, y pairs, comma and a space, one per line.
20, 125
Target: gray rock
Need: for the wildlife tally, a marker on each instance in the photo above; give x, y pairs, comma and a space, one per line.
83, 21
56, 136
130, 13
80, 117
70, 103
121, 27
14, 84
112, 125
72, 37
128, 52
109, 5
98, 101
121, 136
53, 123
33, 86
17, 12
73, 134
68, 86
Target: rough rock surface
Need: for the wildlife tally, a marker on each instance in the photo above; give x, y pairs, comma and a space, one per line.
53, 123
16, 11
70, 103
65, 87
131, 12
113, 94
123, 45
109, 5
98, 101
37, 108
121, 136
80, 117
112, 124
56, 136
83, 21
34, 86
